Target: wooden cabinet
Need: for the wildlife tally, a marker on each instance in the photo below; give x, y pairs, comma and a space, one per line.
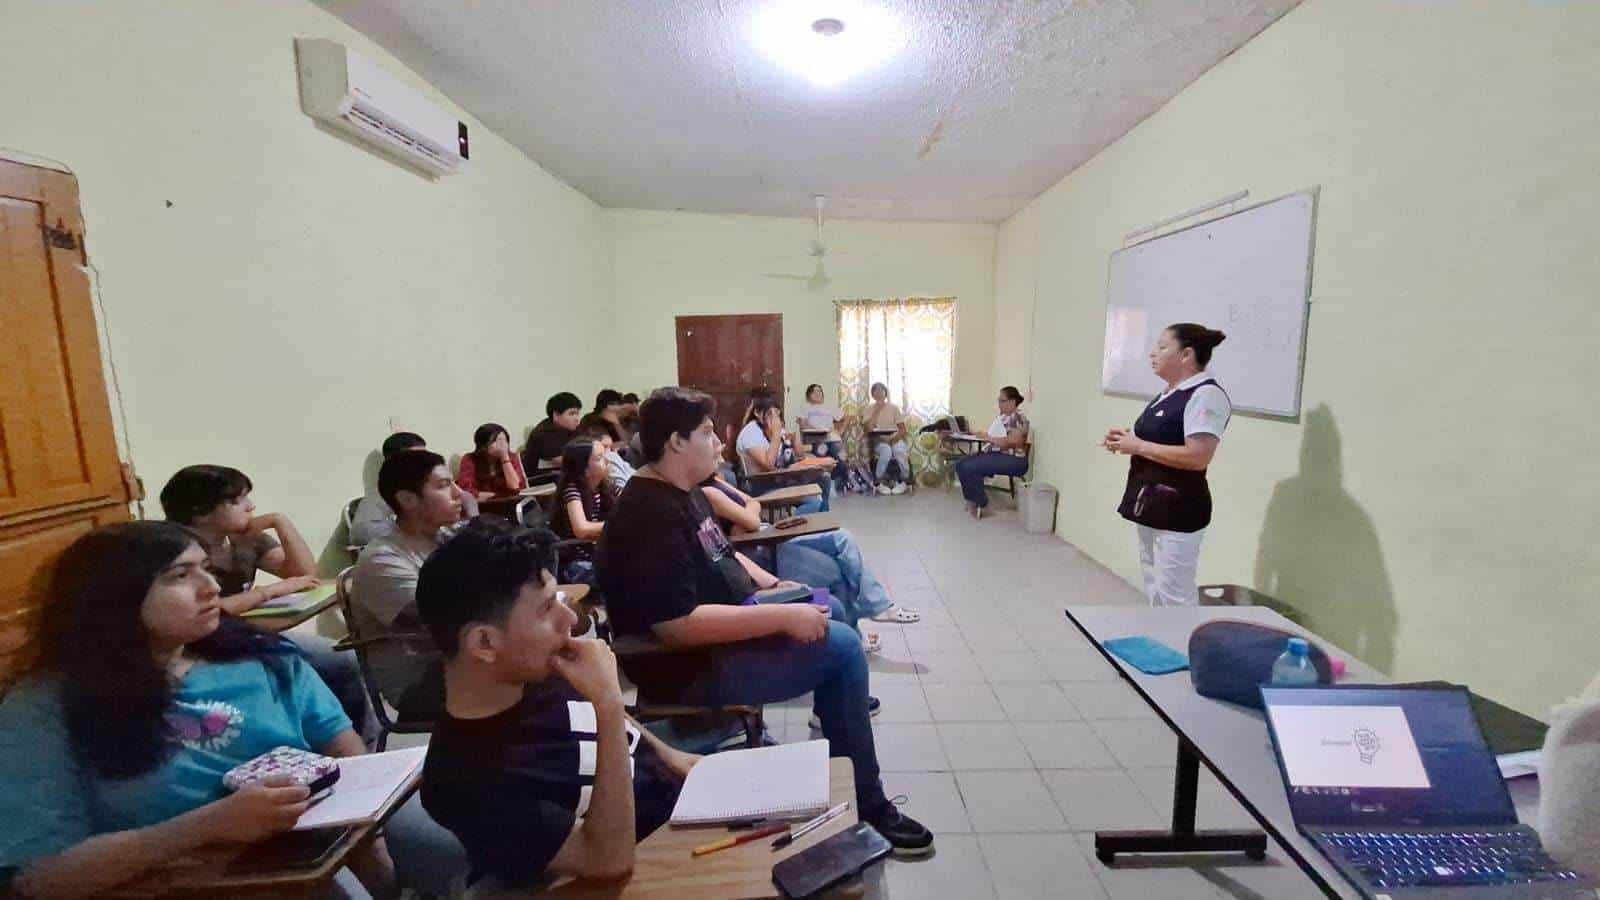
59, 471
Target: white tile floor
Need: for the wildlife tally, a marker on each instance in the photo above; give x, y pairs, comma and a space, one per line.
1009, 735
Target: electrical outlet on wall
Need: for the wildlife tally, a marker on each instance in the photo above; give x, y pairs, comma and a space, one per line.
394, 424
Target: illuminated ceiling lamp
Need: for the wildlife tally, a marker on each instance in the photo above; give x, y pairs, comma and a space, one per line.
827, 42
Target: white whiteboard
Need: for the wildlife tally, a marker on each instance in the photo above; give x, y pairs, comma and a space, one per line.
1247, 273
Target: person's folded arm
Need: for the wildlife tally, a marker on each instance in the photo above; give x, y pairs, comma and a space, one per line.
744, 516
713, 623
582, 528
601, 844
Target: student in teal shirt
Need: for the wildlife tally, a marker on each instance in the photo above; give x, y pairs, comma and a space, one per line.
112, 754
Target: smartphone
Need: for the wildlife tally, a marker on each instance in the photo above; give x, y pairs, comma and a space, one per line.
287, 851
794, 522
835, 860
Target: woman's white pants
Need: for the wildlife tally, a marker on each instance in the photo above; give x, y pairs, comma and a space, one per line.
1169, 561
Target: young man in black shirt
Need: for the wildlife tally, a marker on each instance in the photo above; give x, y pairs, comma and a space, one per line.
668, 572
534, 766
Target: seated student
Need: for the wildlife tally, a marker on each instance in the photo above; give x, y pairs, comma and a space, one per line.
815, 416
417, 485
830, 560
491, 470
630, 414
668, 573
618, 470
763, 447
373, 517
562, 412
112, 753
607, 414
881, 415
215, 502
1008, 435
583, 495
530, 765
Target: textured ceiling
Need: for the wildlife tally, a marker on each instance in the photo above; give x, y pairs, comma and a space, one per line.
671, 105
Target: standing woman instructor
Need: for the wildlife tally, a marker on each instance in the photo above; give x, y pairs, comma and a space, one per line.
1171, 445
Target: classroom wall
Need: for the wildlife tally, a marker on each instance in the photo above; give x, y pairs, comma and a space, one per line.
1434, 508
274, 293
666, 264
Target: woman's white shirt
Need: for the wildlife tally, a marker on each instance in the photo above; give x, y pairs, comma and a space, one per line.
818, 417
1208, 409
751, 437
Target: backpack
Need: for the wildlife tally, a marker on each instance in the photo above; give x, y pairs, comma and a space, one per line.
856, 479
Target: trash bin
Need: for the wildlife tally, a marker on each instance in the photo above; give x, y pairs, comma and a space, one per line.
1036, 502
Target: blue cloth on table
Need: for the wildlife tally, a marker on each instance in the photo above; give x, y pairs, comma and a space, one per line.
1148, 655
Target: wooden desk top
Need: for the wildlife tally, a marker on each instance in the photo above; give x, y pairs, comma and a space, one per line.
663, 867
285, 622
815, 523
204, 873
789, 496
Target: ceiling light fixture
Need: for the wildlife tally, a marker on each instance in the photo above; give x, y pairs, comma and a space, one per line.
828, 42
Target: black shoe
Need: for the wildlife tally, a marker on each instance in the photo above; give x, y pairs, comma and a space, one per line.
874, 706
908, 836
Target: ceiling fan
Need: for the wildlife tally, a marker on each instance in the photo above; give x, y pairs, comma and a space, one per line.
818, 251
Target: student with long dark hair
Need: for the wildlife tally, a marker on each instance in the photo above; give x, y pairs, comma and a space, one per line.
491, 470
1170, 448
112, 753
583, 495
1007, 438
763, 446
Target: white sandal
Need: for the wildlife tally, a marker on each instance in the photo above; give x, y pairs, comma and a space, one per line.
870, 642
898, 615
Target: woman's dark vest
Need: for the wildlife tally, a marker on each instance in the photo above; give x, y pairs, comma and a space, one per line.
1160, 496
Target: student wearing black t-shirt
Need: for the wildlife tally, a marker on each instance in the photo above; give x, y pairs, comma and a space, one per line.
668, 571
530, 765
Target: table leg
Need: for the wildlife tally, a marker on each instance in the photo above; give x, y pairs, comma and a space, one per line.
1182, 838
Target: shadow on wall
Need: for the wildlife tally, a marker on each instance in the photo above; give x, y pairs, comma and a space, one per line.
1319, 551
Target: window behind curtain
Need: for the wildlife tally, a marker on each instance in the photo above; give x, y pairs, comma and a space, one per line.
909, 346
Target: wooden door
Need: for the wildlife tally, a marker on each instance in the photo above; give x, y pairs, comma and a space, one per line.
726, 356
59, 472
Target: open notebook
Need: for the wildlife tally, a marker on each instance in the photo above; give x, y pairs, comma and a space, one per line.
366, 786
289, 604
789, 781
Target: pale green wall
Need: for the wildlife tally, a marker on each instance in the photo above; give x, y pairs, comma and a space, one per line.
1435, 508
669, 264
301, 289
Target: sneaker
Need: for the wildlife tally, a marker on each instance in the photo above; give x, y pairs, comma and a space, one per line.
873, 708
884, 490
899, 488
977, 511
908, 836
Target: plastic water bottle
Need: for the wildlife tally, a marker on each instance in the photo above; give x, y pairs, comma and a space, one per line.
1294, 667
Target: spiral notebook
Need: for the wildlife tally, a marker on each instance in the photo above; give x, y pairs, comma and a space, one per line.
789, 781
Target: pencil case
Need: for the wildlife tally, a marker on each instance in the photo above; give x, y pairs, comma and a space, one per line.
317, 772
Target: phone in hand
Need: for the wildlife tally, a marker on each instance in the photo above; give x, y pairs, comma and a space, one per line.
291, 850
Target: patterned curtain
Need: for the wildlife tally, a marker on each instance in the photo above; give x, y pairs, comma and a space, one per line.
910, 346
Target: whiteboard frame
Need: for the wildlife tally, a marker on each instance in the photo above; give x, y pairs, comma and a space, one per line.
1315, 193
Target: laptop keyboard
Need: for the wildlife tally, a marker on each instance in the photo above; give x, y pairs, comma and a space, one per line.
1440, 859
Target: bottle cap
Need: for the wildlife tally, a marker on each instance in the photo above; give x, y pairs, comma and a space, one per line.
1299, 647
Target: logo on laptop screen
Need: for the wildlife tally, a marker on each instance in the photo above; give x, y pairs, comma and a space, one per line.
1367, 744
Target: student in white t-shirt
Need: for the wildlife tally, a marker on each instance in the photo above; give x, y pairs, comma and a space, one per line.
763, 446
817, 416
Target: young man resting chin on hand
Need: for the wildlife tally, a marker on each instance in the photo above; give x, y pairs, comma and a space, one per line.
534, 766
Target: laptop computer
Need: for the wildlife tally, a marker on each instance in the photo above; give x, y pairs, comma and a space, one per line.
1397, 787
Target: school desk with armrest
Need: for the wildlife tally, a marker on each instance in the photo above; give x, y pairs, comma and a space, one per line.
664, 867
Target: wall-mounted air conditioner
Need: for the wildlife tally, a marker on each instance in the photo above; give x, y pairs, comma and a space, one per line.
350, 93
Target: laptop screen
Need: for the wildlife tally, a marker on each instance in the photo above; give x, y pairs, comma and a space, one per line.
1365, 757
